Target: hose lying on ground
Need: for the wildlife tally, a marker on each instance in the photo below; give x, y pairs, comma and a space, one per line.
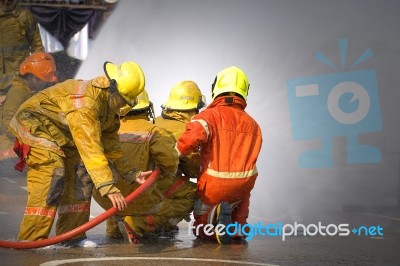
83, 228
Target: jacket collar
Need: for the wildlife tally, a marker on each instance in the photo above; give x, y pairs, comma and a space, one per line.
184, 117
234, 101
142, 116
101, 82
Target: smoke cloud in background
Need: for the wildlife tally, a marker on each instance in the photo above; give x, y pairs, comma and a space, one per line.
272, 41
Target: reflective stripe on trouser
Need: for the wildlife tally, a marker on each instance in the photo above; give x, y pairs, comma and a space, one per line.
74, 208
45, 178
50, 179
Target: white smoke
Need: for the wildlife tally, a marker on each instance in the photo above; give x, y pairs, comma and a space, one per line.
272, 41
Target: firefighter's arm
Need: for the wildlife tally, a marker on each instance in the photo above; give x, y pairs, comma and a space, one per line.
129, 174
15, 97
120, 162
162, 152
34, 34
86, 132
197, 132
142, 176
190, 165
118, 200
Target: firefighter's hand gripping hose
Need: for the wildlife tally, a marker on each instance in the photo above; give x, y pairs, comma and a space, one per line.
83, 228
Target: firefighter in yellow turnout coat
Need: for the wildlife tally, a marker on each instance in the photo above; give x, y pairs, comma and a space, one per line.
58, 128
148, 146
19, 37
185, 100
37, 72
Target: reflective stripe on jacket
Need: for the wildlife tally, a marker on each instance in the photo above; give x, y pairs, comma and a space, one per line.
147, 145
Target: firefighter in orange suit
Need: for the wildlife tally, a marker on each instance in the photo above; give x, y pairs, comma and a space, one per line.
230, 141
37, 72
64, 131
148, 146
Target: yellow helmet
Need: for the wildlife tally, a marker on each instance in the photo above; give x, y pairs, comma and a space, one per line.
185, 95
231, 79
143, 101
143, 105
127, 78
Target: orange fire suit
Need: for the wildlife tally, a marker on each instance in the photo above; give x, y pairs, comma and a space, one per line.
19, 37
230, 141
14, 97
64, 125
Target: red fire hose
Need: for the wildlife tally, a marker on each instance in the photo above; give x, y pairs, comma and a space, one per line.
83, 228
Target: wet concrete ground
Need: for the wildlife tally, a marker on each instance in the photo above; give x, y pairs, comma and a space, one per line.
185, 249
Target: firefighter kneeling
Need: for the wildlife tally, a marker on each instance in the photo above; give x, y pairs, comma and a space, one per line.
158, 210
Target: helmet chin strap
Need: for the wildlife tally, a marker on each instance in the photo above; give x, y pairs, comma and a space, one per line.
151, 114
113, 82
113, 86
212, 87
